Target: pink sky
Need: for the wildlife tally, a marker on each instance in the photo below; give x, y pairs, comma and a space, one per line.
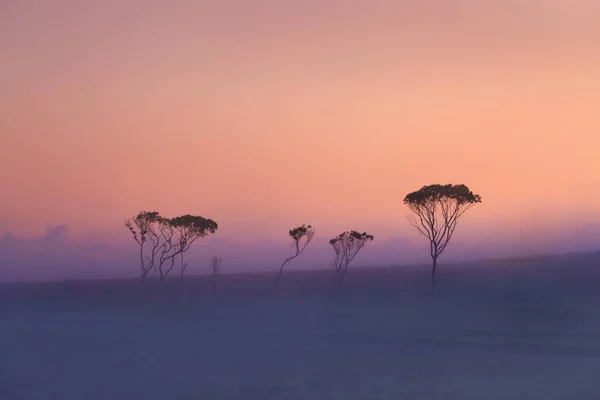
267, 114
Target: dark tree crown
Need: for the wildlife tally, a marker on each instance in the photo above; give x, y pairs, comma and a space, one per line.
299, 232
352, 235
143, 220
461, 193
149, 217
198, 225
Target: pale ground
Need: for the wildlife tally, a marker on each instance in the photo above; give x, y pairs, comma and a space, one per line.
481, 336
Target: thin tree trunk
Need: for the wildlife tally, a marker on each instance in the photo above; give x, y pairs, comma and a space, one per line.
144, 276
433, 272
142, 261
160, 280
282, 265
181, 273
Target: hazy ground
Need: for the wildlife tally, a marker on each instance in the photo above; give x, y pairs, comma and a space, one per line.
493, 334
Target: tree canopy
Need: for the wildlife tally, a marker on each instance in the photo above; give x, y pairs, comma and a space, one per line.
346, 246
435, 213
461, 194
169, 239
198, 226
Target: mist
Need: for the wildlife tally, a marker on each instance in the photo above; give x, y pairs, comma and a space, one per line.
59, 255
492, 331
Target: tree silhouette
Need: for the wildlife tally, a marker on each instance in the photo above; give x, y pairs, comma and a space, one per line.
346, 246
168, 239
297, 234
215, 263
435, 213
186, 230
148, 226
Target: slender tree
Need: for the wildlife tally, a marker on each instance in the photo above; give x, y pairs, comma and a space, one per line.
346, 246
435, 210
147, 229
164, 241
183, 232
301, 237
215, 263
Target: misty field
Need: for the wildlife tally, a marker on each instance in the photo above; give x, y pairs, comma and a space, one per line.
383, 334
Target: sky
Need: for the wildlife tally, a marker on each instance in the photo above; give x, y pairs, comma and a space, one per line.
268, 114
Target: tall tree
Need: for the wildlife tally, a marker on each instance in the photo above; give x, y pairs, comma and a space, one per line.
148, 230
186, 229
164, 241
301, 237
435, 210
346, 246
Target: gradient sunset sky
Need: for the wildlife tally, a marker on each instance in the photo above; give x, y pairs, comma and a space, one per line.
267, 114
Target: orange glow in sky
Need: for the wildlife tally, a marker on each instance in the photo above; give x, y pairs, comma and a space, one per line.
264, 115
